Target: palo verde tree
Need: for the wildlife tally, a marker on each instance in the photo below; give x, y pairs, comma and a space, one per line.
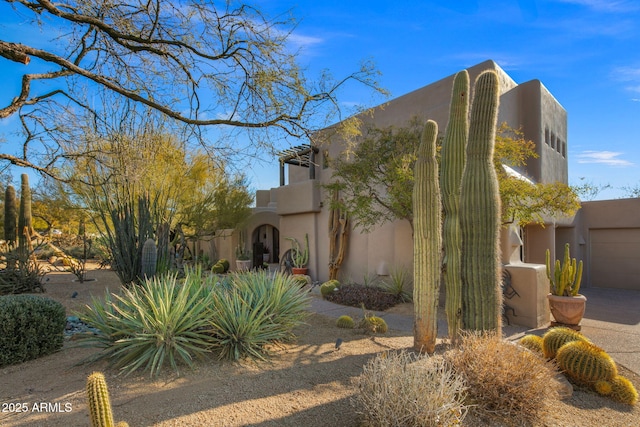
379, 173
134, 183
201, 63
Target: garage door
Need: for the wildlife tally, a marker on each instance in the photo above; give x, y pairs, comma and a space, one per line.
615, 258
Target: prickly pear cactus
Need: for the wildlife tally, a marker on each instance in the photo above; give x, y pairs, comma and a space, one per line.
453, 158
427, 242
480, 214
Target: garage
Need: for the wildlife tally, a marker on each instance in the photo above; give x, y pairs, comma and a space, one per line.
614, 258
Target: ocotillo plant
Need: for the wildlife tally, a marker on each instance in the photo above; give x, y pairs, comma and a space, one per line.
453, 158
480, 213
10, 216
24, 216
427, 242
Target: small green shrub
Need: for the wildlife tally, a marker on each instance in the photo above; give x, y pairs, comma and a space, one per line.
225, 264
345, 322
329, 287
505, 380
402, 389
30, 327
161, 320
374, 325
253, 310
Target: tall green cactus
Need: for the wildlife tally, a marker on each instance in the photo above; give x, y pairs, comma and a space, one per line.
453, 158
480, 213
10, 216
149, 259
427, 241
24, 216
566, 277
99, 403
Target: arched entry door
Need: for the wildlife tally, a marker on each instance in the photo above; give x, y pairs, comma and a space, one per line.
266, 245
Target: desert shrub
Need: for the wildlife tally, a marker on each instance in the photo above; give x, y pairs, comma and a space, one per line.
24, 275
30, 326
402, 389
161, 320
355, 295
504, 379
254, 310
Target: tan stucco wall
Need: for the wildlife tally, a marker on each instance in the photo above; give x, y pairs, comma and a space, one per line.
616, 222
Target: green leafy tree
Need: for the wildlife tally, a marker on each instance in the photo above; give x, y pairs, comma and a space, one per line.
201, 63
376, 179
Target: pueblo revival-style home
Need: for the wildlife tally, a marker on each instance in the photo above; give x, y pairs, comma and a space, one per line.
299, 207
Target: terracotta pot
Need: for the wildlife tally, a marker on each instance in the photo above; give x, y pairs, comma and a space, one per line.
243, 265
295, 270
567, 310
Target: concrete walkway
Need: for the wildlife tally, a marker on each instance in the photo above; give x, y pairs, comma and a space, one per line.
611, 321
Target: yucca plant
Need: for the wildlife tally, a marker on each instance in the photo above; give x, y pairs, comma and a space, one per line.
397, 284
162, 320
259, 308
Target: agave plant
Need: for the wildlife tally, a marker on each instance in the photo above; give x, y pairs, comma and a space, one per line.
162, 320
258, 308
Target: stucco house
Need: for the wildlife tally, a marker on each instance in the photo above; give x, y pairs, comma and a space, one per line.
299, 206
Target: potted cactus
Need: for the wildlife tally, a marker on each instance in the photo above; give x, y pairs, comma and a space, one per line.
566, 304
299, 255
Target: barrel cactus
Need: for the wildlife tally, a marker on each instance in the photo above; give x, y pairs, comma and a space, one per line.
623, 390
556, 338
374, 324
532, 342
149, 258
480, 213
345, 322
585, 363
328, 287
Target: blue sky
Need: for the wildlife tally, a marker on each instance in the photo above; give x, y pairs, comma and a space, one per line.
586, 52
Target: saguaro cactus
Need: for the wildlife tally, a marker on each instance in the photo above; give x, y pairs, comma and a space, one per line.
24, 216
480, 213
10, 216
427, 242
453, 158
